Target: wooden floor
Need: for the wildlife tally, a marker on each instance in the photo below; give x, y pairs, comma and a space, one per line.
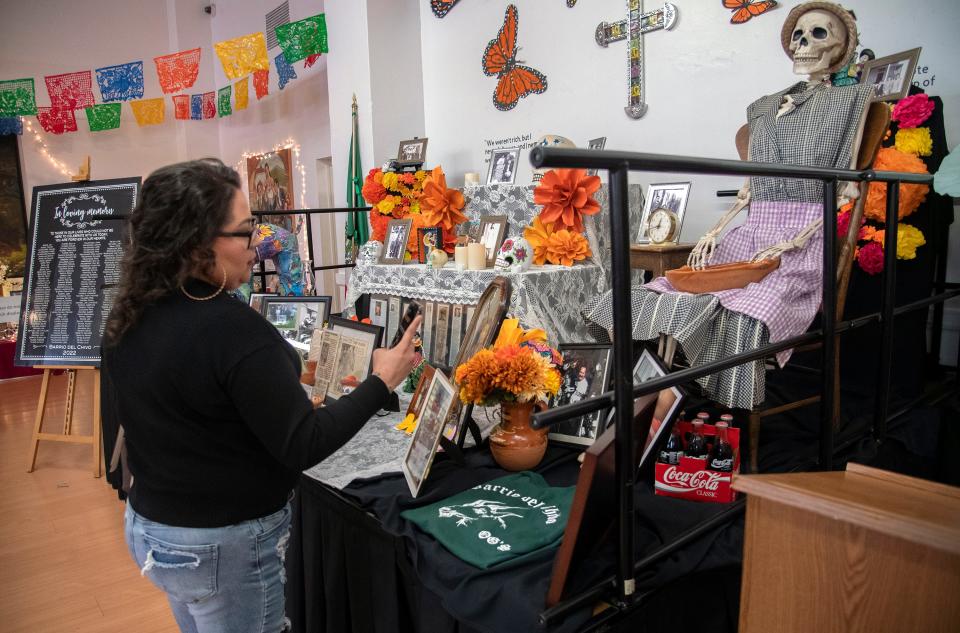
64, 566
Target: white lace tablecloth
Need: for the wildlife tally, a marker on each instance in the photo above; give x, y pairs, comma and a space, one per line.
548, 297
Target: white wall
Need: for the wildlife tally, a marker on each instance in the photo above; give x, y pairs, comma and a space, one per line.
700, 77
47, 37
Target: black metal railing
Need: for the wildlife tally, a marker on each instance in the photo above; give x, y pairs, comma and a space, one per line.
618, 164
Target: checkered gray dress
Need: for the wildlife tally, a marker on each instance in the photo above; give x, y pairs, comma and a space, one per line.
819, 132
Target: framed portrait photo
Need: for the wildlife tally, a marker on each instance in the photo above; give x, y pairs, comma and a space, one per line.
595, 143
355, 358
503, 166
256, 300
436, 234
493, 228
668, 195
412, 152
398, 232
296, 318
423, 445
380, 311
584, 374
891, 76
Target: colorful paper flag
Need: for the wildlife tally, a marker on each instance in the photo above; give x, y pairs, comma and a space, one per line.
261, 83
70, 91
303, 38
196, 107
10, 125
122, 82
280, 15
223, 101
241, 93
56, 121
181, 107
310, 61
103, 116
17, 97
178, 71
209, 105
242, 55
148, 111
285, 72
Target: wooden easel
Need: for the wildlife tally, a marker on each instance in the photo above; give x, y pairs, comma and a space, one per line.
66, 434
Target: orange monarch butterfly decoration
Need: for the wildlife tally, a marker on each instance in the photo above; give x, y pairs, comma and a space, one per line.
500, 59
743, 10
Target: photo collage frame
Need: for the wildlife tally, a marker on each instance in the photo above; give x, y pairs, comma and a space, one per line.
443, 330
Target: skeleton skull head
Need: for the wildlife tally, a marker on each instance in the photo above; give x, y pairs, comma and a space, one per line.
818, 41
549, 140
515, 255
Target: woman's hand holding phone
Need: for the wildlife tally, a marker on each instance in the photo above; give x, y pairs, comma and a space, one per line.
395, 364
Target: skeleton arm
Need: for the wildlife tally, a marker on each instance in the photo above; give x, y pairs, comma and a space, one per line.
702, 253
798, 242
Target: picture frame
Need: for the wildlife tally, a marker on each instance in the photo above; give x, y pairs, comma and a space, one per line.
427, 329
355, 358
441, 333
440, 397
412, 152
296, 318
668, 404
891, 76
669, 195
456, 328
380, 311
256, 300
393, 317
596, 143
420, 393
503, 166
493, 229
398, 234
421, 247
585, 374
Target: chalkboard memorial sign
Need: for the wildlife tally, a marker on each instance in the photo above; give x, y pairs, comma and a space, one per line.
77, 237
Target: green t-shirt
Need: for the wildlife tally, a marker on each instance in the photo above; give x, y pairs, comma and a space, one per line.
499, 520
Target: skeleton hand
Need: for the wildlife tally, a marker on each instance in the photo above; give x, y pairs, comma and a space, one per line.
702, 253
848, 193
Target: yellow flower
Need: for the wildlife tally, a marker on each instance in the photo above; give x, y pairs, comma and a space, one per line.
538, 234
386, 205
915, 141
390, 180
512, 334
552, 382
908, 239
420, 175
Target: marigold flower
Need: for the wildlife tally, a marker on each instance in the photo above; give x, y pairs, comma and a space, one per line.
915, 140
911, 196
565, 247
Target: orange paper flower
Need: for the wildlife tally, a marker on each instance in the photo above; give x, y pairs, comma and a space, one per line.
911, 196
565, 247
538, 234
567, 196
438, 204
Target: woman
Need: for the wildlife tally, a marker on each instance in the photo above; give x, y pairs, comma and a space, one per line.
217, 425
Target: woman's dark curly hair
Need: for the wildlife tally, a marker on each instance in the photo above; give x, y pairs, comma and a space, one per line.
181, 209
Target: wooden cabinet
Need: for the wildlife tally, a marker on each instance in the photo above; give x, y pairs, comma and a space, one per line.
861, 550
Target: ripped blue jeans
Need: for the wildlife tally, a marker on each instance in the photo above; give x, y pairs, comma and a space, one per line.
218, 580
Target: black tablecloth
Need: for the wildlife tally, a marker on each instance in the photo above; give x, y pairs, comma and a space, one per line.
355, 565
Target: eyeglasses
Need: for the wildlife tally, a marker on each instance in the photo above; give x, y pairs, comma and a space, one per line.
251, 234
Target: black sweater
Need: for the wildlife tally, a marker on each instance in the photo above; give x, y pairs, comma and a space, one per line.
217, 425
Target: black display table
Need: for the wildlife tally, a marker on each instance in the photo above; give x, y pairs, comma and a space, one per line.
355, 565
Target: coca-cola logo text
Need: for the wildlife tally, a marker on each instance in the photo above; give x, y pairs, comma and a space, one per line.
700, 479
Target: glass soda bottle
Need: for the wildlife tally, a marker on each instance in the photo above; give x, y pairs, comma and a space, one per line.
721, 457
672, 451
697, 444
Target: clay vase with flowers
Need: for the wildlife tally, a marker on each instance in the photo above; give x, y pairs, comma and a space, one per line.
519, 372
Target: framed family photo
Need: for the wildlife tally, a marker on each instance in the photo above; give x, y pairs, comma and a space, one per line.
503, 166
357, 344
667, 195
584, 374
891, 76
297, 317
436, 234
423, 445
398, 232
412, 152
493, 228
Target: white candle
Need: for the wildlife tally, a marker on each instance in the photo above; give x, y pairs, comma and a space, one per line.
476, 256
460, 257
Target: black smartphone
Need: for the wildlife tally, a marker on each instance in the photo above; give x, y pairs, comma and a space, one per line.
413, 309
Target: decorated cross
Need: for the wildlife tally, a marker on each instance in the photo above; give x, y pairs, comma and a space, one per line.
633, 28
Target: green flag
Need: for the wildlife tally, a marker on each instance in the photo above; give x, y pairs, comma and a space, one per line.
358, 231
223, 101
103, 116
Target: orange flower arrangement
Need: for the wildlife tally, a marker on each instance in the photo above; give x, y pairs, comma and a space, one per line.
567, 196
911, 196
566, 247
439, 205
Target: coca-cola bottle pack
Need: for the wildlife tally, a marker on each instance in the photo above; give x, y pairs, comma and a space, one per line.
721, 456
700, 474
672, 451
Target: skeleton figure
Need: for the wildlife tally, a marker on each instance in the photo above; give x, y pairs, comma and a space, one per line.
479, 509
820, 37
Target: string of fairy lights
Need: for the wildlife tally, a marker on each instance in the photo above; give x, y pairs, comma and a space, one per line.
57, 164
289, 143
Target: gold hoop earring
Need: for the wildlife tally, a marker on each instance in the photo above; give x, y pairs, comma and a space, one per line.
223, 285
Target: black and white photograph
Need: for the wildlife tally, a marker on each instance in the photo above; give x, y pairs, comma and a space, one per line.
584, 374
595, 143
890, 76
503, 166
456, 329
357, 343
423, 444
493, 229
379, 310
440, 334
668, 195
396, 247
393, 318
296, 318
427, 329
412, 152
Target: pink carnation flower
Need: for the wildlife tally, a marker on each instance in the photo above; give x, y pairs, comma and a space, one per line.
870, 258
912, 111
